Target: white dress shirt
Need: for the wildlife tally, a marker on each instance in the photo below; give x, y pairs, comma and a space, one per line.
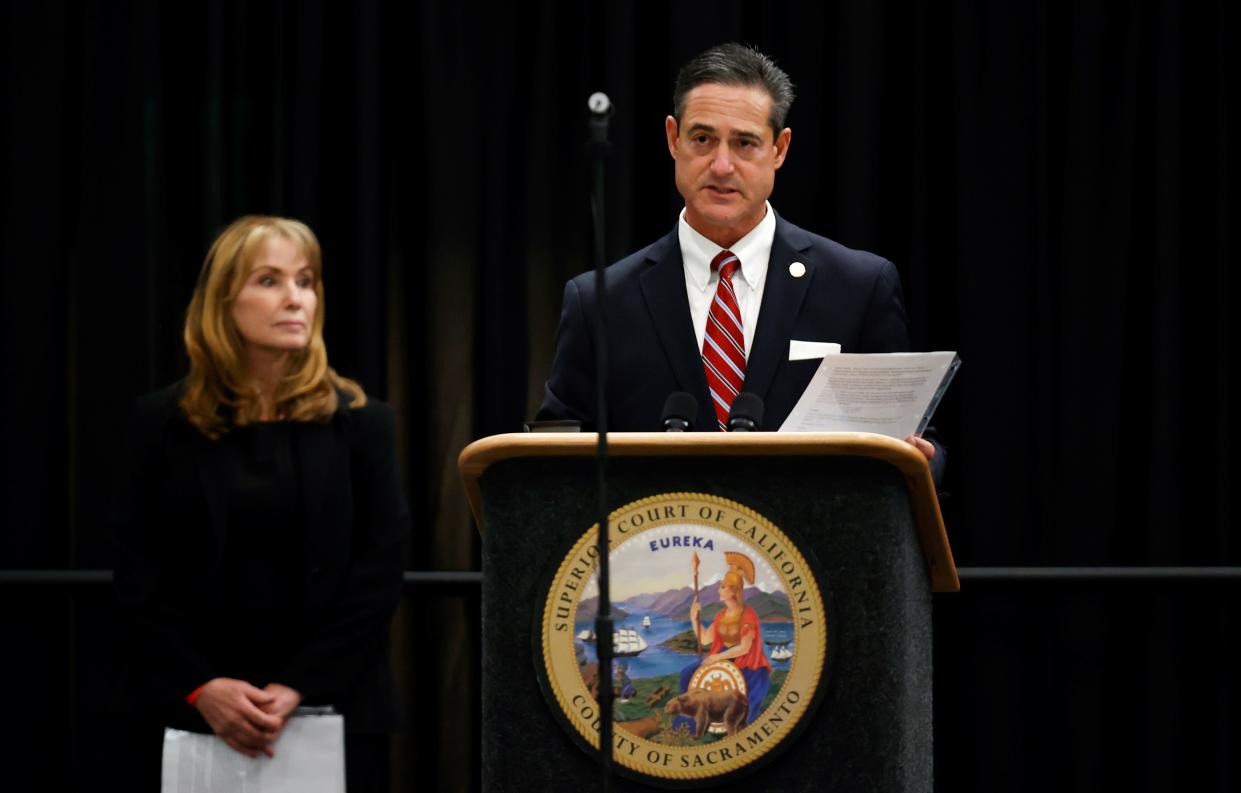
753, 250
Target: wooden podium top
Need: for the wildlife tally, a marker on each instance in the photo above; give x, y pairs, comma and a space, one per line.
479, 455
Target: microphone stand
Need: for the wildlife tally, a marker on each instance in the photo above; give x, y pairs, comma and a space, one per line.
601, 109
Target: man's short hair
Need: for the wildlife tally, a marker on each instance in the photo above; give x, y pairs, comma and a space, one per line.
736, 64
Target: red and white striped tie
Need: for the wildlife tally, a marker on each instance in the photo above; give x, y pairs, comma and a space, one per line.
723, 345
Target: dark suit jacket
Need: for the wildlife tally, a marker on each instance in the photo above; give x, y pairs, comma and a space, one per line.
849, 297
171, 524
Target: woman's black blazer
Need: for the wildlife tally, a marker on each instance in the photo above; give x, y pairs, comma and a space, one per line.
170, 523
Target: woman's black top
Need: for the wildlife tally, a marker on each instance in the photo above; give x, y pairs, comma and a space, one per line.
273, 554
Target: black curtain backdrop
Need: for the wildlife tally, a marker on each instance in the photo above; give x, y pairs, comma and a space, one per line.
1055, 182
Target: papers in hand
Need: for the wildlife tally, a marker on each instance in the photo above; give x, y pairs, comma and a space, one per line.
890, 394
310, 758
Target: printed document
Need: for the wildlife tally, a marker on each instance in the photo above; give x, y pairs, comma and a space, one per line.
890, 393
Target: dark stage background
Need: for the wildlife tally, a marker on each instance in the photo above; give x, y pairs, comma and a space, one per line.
1055, 182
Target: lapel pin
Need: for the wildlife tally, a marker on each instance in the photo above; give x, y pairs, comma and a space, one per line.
797, 269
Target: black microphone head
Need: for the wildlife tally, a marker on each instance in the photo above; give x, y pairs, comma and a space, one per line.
746, 414
680, 412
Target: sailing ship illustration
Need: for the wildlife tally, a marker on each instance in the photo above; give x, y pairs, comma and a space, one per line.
626, 642
780, 650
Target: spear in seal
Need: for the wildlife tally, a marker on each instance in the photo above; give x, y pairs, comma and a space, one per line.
697, 637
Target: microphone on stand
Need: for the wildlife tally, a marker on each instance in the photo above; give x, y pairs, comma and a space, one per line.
680, 412
600, 111
600, 107
746, 414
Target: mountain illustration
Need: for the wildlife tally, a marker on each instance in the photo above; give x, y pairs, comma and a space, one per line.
589, 608
651, 602
664, 603
674, 603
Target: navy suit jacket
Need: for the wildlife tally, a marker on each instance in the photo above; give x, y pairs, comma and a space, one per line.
845, 296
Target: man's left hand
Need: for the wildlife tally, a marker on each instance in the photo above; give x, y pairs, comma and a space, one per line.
923, 445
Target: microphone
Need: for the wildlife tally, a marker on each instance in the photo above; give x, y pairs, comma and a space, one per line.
599, 104
601, 108
680, 411
746, 414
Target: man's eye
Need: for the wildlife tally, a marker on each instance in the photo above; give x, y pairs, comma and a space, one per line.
701, 139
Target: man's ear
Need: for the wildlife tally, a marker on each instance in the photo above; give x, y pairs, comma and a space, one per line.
671, 131
782, 145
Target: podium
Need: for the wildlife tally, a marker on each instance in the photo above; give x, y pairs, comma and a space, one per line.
860, 508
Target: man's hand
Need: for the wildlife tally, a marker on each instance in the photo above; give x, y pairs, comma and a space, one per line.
922, 445
235, 711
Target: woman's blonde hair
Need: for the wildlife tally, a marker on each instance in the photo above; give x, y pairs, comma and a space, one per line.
217, 395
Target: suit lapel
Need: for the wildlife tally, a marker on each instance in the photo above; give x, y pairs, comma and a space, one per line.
663, 288
782, 300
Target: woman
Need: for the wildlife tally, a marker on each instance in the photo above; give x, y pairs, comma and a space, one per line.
261, 524
735, 635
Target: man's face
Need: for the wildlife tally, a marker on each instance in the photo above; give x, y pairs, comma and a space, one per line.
726, 158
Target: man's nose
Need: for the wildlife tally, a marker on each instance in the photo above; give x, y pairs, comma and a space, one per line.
722, 162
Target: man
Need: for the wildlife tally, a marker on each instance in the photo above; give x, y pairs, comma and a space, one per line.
684, 313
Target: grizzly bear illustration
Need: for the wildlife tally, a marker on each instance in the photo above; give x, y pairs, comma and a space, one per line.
704, 707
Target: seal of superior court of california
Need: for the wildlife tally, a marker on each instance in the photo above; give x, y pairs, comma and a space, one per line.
720, 639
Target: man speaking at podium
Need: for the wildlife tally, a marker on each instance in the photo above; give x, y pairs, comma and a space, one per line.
713, 308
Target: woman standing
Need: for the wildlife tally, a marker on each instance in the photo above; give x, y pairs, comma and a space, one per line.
261, 523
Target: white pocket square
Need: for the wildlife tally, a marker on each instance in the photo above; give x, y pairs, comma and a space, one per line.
805, 350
